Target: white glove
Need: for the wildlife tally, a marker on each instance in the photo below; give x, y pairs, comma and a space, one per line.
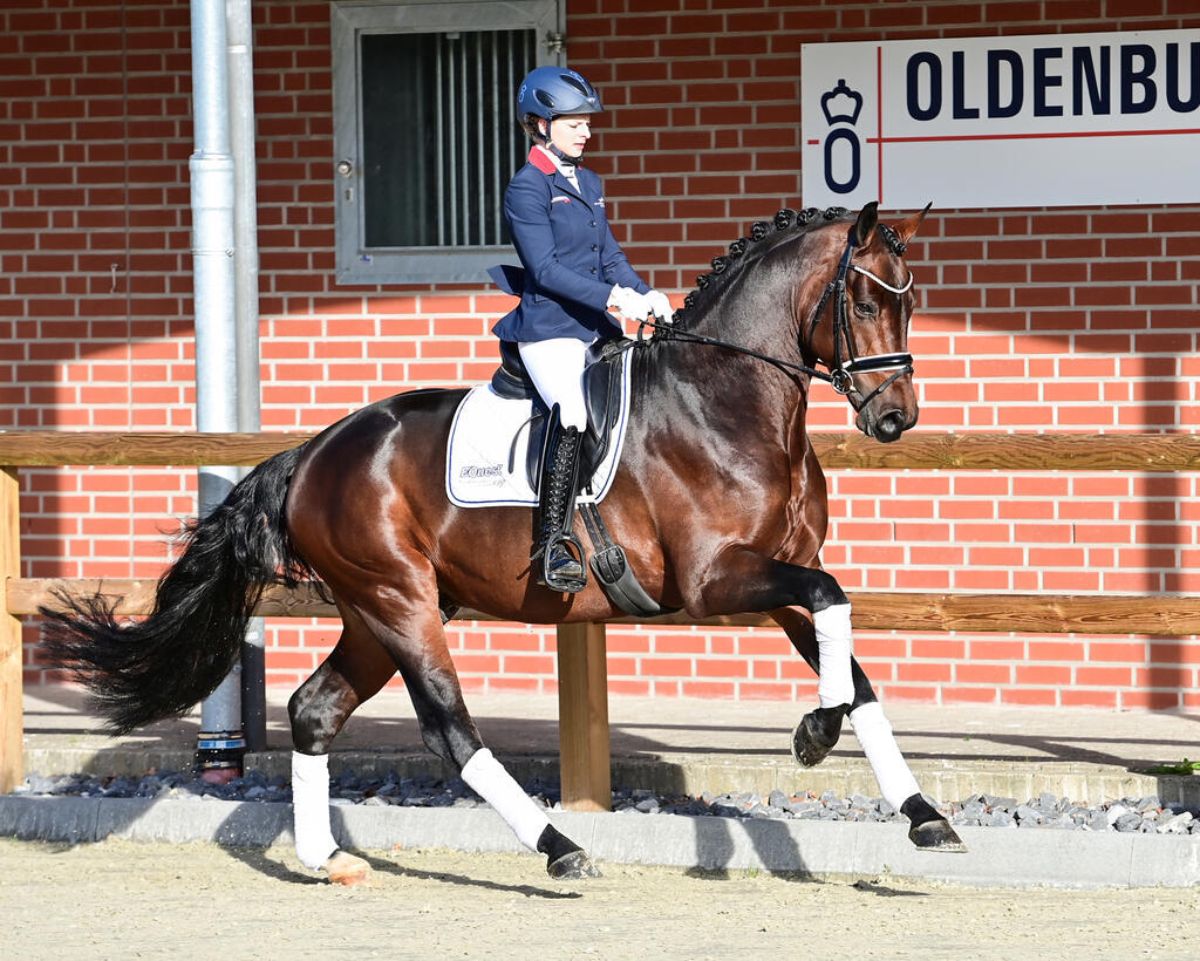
660, 306
629, 303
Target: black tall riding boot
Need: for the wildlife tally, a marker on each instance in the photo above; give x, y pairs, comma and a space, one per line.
561, 567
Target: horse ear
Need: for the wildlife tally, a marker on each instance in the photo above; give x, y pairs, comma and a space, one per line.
906, 228
864, 228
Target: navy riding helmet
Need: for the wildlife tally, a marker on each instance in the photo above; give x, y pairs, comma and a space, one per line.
550, 92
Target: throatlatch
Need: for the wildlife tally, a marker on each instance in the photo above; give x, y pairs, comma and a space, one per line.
560, 551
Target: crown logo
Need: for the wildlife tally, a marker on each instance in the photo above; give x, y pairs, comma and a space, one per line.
846, 99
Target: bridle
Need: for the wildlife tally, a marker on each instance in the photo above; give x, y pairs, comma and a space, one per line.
841, 372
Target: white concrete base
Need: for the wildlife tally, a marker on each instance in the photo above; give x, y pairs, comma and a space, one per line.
996, 856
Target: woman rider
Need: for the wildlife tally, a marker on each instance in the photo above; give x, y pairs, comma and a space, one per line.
574, 272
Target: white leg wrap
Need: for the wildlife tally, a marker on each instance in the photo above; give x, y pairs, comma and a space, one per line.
310, 809
490, 781
835, 684
874, 733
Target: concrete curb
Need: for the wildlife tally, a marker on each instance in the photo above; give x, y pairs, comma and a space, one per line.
997, 857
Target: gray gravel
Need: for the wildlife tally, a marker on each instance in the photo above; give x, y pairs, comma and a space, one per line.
1147, 815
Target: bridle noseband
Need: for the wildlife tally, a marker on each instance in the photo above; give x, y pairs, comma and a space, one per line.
842, 371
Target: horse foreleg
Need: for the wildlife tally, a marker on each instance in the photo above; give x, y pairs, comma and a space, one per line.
927, 828
812, 607
355, 670
819, 731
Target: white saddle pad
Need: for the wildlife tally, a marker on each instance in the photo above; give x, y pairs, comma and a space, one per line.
481, 443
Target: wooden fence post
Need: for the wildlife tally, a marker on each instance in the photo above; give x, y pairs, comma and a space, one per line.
583, 737
12, 747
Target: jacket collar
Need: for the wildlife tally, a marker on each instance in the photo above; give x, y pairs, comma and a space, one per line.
542, 160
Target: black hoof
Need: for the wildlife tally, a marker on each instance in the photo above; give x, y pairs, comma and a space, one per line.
565, 860
930, 831
572, 867
817, 734
936, 836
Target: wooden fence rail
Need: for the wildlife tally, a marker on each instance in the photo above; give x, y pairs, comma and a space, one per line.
583, 708
1156, 453
1172, 615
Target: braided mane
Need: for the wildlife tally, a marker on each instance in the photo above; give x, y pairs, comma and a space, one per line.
765, 235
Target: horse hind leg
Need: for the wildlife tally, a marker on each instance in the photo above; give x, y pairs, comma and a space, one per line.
417, 643
356, 669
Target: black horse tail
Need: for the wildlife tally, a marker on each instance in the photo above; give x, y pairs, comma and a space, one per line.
159, 667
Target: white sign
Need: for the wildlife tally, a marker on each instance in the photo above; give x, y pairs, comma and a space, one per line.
1043, 121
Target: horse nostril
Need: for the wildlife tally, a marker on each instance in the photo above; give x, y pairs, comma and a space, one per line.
890, 426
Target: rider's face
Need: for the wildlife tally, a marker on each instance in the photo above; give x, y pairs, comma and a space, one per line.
570, 133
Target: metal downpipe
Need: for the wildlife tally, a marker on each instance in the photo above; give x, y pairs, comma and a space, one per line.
221, 743
240, 30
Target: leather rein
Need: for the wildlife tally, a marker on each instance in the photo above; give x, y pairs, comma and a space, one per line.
841, 372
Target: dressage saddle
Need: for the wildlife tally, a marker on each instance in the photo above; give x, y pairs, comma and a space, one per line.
602, 385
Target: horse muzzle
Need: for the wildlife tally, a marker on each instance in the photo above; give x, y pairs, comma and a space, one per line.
885, 427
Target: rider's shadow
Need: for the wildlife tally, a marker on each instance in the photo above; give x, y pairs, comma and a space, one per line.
721, 843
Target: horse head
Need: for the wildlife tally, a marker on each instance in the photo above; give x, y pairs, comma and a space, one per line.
859, 327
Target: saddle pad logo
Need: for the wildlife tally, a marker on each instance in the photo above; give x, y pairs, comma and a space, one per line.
489, 433
482, 475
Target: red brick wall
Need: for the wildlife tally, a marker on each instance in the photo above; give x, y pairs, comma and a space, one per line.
1055, 320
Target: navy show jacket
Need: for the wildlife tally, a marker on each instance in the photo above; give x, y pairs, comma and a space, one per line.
571, 258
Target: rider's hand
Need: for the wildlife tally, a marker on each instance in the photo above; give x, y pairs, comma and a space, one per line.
629, 303
660, 306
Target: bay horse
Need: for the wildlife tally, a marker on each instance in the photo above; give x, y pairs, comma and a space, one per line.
719, 501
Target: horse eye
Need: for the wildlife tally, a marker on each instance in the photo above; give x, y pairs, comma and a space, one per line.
867, 310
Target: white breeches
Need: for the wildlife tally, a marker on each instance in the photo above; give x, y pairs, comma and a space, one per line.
556, 368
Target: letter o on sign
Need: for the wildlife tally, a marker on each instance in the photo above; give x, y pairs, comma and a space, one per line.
843, 158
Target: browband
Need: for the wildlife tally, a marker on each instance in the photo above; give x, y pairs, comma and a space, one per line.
883, 283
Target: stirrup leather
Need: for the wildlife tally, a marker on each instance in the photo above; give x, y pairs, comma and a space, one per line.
560, 551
